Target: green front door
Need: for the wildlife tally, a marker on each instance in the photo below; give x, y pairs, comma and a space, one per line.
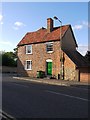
49, 68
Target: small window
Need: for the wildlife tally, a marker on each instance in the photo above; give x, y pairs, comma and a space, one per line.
49, 47
28, 49
28, 65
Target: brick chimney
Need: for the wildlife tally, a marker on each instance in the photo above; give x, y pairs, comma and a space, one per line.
49, 25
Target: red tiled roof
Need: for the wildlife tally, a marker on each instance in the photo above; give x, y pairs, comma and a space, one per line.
42, 35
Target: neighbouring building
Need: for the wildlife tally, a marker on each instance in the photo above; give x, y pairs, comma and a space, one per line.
52, 50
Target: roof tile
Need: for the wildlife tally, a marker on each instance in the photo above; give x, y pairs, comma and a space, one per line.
42, 35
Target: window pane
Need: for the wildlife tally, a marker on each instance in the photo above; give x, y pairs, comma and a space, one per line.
49, 47
29, 49
29, 65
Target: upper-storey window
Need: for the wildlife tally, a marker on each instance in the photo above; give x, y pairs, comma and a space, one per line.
49, 47
28, 49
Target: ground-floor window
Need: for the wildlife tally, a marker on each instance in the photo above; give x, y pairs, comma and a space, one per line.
28, 65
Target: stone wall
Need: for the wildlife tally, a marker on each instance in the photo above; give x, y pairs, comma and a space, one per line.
6, 69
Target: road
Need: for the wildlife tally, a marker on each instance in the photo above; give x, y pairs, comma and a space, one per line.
25, 99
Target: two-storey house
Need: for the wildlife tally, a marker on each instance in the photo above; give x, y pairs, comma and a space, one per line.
52, 50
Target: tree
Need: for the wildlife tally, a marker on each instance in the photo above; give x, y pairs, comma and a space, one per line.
9, 59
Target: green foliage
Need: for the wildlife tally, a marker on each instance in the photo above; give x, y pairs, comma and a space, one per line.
9, 59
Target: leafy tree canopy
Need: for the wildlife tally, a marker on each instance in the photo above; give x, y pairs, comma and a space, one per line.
9, 59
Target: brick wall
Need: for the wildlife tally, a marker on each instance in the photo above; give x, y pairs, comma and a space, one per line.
39, 57
69, 69
85, 74
6, 69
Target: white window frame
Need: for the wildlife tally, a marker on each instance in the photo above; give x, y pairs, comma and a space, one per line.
27, 49
30, 66
49, 43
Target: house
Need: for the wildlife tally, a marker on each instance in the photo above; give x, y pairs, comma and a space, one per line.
52, 50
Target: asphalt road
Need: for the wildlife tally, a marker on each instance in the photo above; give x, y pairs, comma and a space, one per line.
24, 99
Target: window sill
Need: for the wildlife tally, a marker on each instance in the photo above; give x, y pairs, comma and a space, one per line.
28, 53
28, 69
50, 52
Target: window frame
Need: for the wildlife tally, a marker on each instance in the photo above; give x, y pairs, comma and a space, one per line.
27, 49
30, 65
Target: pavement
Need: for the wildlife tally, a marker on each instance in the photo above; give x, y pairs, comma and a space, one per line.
53, 81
